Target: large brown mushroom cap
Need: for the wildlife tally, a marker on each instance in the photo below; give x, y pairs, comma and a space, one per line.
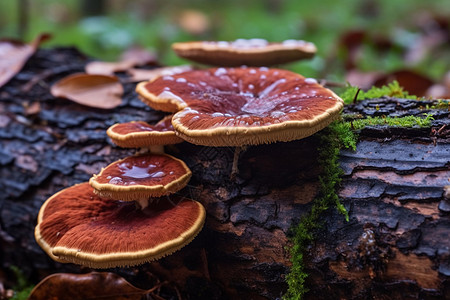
75, 225
252, 52
140, 177
248, 106
137, 134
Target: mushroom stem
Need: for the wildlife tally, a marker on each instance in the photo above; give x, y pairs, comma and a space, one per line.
142, 203
235, 166
154, 149
157, 149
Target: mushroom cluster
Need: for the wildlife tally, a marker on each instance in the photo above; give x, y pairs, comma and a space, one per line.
127, 206
124, 215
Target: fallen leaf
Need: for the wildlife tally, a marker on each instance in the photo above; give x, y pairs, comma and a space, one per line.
363, 80
95, 285
107, 68
14, 55
139, 56
137, 75
99, 91
32, 109
130, 58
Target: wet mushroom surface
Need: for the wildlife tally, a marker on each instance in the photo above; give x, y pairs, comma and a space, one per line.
75, 225
140, 177
244, 106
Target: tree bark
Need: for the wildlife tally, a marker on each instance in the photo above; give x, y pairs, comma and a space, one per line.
395, 245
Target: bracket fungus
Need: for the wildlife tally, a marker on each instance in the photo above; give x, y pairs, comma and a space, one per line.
251, 52
243, 106
141, 177
75, 225
139, 134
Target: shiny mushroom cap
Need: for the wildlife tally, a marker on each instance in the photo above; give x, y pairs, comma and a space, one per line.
251, 52
247, 106
137, 134
75, 225
141, 177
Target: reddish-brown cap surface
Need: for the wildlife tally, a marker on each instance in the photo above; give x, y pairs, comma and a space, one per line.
252, 52
75, 225
247, 106
138, 134
141, 177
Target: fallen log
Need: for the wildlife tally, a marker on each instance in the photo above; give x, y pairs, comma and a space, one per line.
395, 244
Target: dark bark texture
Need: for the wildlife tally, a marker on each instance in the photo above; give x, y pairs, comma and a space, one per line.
395, 246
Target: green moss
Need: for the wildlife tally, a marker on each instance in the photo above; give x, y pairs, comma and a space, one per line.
393, 89
23, 288
441, 104
407, 121
332, 139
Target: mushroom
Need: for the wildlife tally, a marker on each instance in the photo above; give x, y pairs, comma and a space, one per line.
244, 106
141, 177
139, 134
76, 225
252, 52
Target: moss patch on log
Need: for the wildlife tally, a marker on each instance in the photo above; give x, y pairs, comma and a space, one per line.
332, 139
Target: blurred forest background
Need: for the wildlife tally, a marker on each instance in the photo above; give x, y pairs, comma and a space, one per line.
355, 39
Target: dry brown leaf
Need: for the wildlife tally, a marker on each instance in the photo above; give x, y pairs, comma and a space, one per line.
137, 75
107, 68
99, 91
14, 55
139, 56
95, 285
363, 80
130, 58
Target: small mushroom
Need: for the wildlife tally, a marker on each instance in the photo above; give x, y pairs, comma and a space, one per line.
139, 134
252, 52
141, 177
76, 225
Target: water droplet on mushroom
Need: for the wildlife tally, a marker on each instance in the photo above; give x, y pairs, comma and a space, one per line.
115, 180
277, 114
220, 72
310, 80
222, 44
158, 174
